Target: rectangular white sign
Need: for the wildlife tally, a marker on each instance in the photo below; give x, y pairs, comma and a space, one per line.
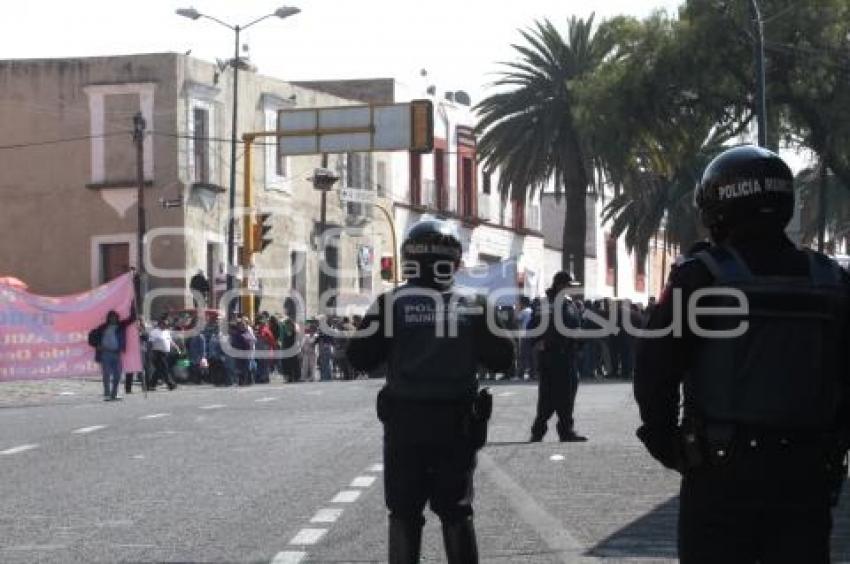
342, 129
357, 195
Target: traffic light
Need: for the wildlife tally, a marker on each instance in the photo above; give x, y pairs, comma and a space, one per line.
421, 126
387, 269
262, 228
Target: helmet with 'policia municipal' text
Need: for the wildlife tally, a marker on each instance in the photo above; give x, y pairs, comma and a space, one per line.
742, 184
431, 245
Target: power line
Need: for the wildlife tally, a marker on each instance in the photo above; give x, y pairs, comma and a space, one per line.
64, 140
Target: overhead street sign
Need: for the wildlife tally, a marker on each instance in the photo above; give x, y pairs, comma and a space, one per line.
357, 196
407, 126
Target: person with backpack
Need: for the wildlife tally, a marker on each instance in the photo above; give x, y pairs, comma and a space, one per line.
109, 341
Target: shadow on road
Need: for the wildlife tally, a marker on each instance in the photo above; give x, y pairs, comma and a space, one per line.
653, 535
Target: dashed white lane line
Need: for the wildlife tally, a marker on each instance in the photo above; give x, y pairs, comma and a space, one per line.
289, 557
155, 416
556, 458
308, 536
505, 394
346, 496
376, 468
264, 400
328, 515
362, 481
87, 430
213, 406
17, 449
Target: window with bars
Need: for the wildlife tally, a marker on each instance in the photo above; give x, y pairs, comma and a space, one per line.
358, 175
381, 180
640, 273
201, 126
610, 260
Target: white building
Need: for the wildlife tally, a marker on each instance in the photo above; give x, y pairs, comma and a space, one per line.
449, 183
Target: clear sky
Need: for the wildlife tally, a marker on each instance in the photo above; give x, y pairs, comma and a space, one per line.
457, 41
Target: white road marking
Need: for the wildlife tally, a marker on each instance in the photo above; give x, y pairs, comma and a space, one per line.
506, 394
376, 468
155, 416
346, 496
556, 457
67, 393
289, 557
17, 449
138, 456
263, 400
87, 430
550, 529
308, 536
362, 482
213, 406
329, 515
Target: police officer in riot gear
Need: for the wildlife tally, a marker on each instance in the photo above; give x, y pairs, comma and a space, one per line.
558, 385
432, 340
765, 421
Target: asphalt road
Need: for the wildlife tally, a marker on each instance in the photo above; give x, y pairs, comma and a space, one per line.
292, 473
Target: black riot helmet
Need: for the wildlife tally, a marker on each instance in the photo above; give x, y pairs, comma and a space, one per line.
431, 252
745, 184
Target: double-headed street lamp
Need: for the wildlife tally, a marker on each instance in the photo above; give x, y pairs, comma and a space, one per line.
193, 14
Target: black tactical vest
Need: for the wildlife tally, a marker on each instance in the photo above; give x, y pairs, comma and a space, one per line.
786, 370
434, 354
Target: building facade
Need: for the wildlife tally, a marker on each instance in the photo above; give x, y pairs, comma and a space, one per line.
68, 215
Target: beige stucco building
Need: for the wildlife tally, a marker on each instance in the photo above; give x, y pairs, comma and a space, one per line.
68, 183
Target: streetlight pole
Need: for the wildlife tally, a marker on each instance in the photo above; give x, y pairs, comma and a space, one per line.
231, 219
191, 13
761, 99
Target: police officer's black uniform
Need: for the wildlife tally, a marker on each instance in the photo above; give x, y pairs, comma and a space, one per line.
558, 385
765, 417
434, 419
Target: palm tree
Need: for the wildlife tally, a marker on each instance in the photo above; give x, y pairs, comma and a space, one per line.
528, 128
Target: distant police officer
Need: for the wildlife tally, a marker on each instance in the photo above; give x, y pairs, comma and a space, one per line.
765, 412
558, 386
432, 340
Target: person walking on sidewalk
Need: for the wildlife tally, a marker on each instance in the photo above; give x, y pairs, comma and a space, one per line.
109, 341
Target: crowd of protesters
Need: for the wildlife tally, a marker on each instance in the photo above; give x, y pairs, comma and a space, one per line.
194, 347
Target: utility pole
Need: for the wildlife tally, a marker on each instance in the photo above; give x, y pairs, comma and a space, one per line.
231, 222
139, 138
323, 218
761, 98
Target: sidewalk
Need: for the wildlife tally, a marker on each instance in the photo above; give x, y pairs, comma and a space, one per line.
24, 393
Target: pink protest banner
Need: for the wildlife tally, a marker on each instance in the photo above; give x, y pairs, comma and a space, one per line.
45, 337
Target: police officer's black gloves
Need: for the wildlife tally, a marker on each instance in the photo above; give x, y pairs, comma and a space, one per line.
664, 444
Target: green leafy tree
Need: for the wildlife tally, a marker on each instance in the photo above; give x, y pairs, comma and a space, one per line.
655, 125
528, 127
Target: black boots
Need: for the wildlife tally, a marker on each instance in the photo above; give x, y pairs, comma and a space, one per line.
405, 541
460, 543
458, 538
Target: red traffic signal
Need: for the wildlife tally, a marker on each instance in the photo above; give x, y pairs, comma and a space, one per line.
387, 269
